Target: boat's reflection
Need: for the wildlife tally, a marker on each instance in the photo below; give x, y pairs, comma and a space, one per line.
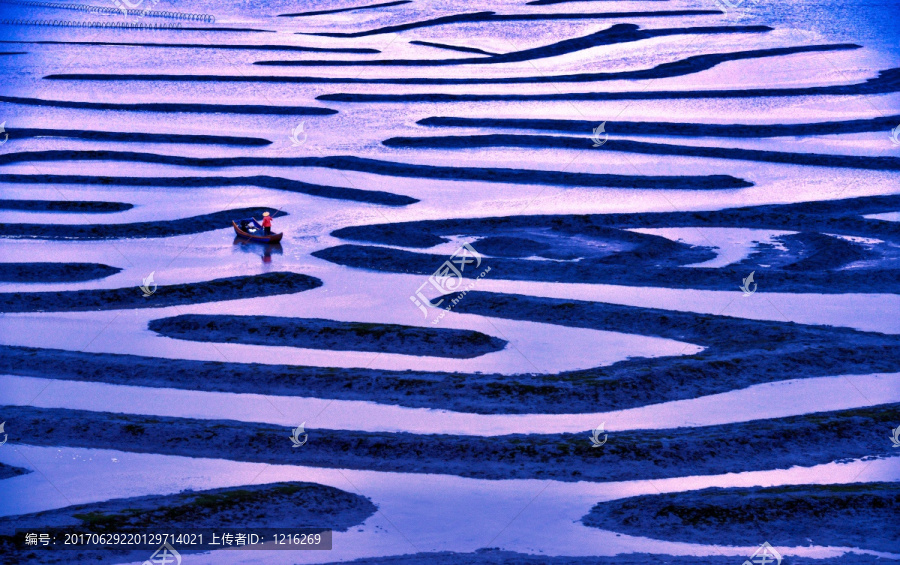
264, 250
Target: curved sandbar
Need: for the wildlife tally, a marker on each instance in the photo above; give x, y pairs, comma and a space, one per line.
662, 264
776, 443
630, 146
484, 17
315, 333
844, 216
262, 181
678, 68
228, 46
86, 207
680, 129
54, 272
843, 515
287, 505
230, 288
7, 471
350, 163
681, 67
136, 137
459, 48
174, 107
738, 353
887, 82
619, 33
601, 249
160, 228
348, 9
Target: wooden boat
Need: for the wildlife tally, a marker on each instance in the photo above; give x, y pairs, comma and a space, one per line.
250, 229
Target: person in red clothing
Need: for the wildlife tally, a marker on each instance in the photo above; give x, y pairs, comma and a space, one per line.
267, 223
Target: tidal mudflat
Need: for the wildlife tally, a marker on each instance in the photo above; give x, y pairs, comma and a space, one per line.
849, 515
565, 282
271, 506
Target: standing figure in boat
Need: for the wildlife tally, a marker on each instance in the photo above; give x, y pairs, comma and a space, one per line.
250, 229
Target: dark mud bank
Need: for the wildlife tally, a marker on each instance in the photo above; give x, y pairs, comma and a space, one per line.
887, 81
270, 506
628, 146
600, 249
618, 33
174, 107
689, 65
682, 129
500, 557
87, 207
349, 9
350, 163
225, 46
161, 228
7, 471
54, 272
313, 333
808, 440
230, 288
263, 181
485, 17
134, 137
738, 353
855, 515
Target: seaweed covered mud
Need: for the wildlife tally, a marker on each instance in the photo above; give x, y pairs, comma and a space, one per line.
270, 506
330, 334
835, 247
849, 515
628, 172
499, 557
7, 471
185, 293
808, 440
738, 353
